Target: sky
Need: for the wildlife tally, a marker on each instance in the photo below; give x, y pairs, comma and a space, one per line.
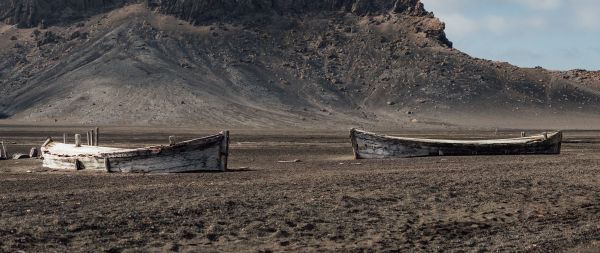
554, 34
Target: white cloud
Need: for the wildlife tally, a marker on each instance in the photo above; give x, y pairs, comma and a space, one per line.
459, 25
447, 5
496, 24
454, 5
525, 32
462, 19
587, 19
586, 14
579, 14
541, 4
502, 25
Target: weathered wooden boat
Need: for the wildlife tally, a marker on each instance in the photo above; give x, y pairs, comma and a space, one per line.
204, 154
369, 145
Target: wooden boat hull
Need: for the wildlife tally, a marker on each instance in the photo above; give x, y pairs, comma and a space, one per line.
368, 145
204, 154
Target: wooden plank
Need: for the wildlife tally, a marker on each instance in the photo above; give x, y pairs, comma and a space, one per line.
173, 162
18, 156
73, 163
48, 141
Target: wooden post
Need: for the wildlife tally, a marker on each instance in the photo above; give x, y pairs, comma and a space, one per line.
545, 135
33, 153
107, 164
171, 140
224, 150
354, 144
87, 137
79, 165
496, 131
522, 134
77, 140
47, 142
92, 138
64, 138
96, 137
3, 152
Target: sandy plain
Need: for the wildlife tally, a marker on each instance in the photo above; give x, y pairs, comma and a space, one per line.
325, 202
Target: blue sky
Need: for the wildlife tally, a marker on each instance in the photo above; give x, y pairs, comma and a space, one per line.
555, 34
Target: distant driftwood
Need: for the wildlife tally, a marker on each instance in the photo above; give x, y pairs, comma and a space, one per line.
370, 145
203, 154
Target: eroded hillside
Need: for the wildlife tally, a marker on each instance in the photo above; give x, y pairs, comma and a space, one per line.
278, 63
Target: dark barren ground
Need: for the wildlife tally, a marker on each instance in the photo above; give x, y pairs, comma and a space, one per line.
327, 202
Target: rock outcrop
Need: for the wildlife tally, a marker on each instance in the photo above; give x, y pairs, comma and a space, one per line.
31, 13
207, 11
201, 11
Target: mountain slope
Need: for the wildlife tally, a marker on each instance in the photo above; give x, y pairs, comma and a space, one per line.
260, 63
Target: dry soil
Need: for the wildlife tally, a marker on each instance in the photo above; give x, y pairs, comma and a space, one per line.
325, 202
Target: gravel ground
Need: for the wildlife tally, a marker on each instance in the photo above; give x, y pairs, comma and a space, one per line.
325, 202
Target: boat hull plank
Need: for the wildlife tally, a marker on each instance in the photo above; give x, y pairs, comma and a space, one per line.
73, 163
368, 145
170, 162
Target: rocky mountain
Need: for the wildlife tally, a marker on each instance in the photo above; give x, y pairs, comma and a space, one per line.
31, 13
266, 63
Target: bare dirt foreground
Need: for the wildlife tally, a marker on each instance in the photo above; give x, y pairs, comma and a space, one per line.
326, 202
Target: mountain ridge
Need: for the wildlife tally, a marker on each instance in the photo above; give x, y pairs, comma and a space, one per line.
379, 63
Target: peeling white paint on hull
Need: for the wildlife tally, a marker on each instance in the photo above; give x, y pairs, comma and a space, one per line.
204, 154
369, 145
